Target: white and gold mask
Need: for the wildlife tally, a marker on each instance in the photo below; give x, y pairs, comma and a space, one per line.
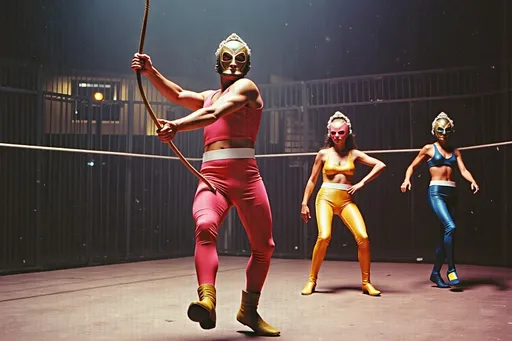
233, 56
442, 126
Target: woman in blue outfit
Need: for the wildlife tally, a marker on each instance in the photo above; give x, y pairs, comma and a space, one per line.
442, 194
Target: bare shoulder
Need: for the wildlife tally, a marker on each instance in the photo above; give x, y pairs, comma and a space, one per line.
245, 84
427, 148
357, 153
247, 88
322, 154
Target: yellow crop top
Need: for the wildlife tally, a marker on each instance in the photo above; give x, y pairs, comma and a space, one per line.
347, 168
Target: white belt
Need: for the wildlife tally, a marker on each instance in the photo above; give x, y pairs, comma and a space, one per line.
331, 185
230, 153
442, 183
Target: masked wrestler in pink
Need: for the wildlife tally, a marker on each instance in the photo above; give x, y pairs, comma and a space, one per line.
337, 162
231, 118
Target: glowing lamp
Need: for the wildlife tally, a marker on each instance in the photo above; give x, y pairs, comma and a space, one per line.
98, 96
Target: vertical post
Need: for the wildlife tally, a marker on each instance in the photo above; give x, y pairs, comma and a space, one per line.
89, 181
505, 81
39, 166
128, 169
305, 144
411, 200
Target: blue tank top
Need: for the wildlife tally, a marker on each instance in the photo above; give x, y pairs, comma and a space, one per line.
439, 160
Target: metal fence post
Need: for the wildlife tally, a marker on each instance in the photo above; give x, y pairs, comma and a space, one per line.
129, 149
39, 166
305, 146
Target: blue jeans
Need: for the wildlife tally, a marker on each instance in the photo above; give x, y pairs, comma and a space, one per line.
443, 200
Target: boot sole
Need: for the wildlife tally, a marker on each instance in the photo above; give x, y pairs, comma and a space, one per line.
307, 293
445, 286
441, 286
374, 294
199, 314
259, 333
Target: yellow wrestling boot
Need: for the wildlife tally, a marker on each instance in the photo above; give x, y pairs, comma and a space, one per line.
203, 311
364, 261
369, 289
248, 315
310, 287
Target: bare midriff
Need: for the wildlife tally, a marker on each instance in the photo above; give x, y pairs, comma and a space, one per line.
230, 143
443, 173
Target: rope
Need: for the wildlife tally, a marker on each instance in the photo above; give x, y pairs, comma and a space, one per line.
92, 151
150, 110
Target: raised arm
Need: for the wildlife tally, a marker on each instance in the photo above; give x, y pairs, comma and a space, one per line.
310, 185
170, 90
465, 172
241, 93
377, 167
410, 170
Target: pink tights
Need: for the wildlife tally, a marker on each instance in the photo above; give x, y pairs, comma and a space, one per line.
238, 184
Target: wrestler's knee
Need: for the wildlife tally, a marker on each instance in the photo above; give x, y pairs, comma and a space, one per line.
206, 229
268, 247
323, 239
263, 251
449, 228
363, 242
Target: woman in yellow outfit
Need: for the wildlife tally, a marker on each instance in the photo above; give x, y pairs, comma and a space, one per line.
337, 161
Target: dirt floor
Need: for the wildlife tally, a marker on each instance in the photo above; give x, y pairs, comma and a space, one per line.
148, 301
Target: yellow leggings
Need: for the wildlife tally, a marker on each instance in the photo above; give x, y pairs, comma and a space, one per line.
335, 201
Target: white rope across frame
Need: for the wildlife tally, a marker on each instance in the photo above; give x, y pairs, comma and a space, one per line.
93, 151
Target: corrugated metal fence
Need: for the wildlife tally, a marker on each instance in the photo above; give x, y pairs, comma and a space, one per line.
76, 207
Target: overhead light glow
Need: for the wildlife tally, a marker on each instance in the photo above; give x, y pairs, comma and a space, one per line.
98, 96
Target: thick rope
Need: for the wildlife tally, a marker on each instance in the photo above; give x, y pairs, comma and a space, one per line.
150, 110
257, 156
